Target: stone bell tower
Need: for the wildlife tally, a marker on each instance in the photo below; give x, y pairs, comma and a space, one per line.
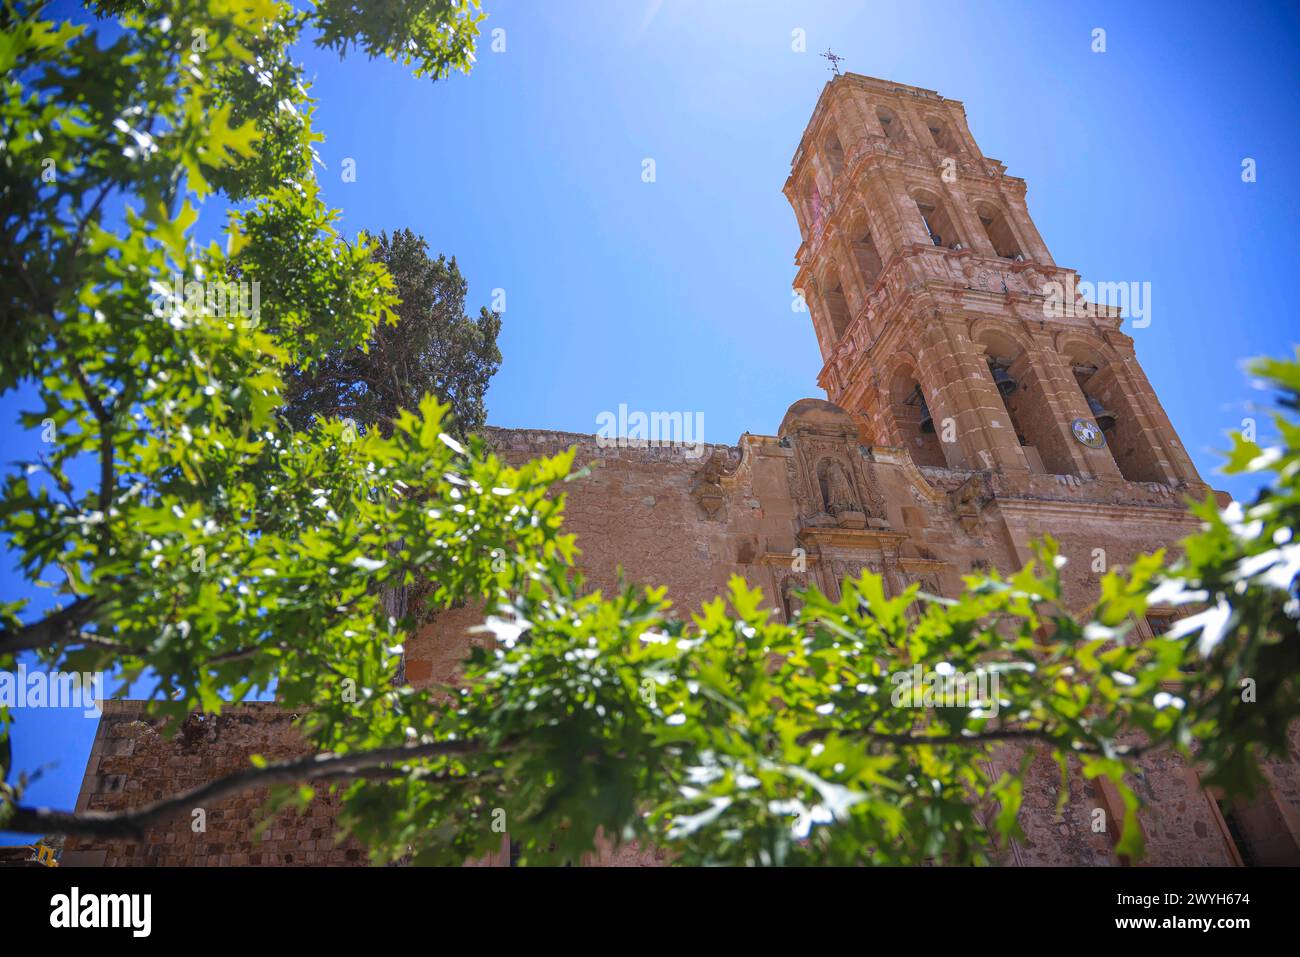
946, 327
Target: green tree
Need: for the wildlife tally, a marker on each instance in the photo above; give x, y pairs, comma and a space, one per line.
222, 551
214, 548
431, 348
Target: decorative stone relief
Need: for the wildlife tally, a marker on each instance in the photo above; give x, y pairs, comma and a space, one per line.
831, 481
968, 499
711, 485
842, 568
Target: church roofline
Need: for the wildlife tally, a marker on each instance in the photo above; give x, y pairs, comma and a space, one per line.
867, 82
863, 81
590, 440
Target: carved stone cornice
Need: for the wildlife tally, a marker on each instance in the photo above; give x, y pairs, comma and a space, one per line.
783, 560
921, 566
1110, 512
867, 539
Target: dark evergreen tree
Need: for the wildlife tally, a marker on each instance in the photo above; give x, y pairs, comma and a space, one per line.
431, 346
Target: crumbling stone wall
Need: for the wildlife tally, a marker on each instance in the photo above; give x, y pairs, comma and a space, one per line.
133, 762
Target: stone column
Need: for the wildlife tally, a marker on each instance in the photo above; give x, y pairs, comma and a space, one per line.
848, 268
1177, 461
985, 438
1031, 241
1143, 434
812, 295
968, 221
916, 128
850, 123
886, 193
957, 123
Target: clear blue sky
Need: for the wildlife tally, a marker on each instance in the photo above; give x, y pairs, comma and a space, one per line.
675, 295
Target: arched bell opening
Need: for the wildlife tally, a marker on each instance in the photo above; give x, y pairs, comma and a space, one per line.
997, 228
1115, 414
939, 224
836, 303
917, 430
941, 134
1029, 413
866, 256
889, 124
834, 153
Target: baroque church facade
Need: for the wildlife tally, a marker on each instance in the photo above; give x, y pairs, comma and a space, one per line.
971, 410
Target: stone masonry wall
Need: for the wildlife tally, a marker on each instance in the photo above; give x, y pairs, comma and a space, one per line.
132, 762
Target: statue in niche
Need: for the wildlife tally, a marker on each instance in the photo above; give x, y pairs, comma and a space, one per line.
790, 602
838, 495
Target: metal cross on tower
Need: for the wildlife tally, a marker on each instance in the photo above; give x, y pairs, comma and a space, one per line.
835, 60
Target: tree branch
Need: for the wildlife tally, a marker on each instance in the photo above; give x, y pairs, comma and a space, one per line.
107, 479
133, 822
1000, 734
59, 626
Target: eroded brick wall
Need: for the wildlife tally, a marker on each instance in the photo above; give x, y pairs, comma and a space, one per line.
132, 762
